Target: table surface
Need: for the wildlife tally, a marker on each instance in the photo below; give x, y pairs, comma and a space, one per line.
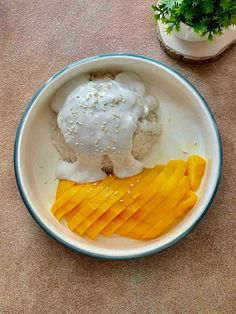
38, 275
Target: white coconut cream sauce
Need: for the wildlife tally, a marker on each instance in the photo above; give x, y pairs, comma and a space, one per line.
99, 118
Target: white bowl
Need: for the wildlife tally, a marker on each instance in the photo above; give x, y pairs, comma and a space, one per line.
188, 128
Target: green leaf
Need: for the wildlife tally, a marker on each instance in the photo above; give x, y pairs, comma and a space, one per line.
169, 29
210, 37
169, 3
154, 7
225, 4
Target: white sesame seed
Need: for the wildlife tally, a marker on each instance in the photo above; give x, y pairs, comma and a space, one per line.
92, 133
81, 144
121, 200
131, 185
114, 140
117, 125
115, 115
128, 191
116, 192
113, 148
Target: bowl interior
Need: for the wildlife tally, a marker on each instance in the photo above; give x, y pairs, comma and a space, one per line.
187, 128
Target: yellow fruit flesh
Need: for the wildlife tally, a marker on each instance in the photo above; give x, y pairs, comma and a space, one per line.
166, 220
150, 202
118, 207
148, 193
63, 186
196, 169
165, 190
65, 197
188, 202
161, 209
89, 191
106, 201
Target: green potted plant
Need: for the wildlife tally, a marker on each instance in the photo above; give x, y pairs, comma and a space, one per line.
196, 20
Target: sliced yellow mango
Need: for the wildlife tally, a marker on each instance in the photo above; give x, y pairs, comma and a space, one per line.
140, 207
68, 216
63, 186
165, 207
158, 227
112, 192
196, 169
89, 190
184, 205
65, 197
140, 201
163, 192
188, 202
118, 207
107, 199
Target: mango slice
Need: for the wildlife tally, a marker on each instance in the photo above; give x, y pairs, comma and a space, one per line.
65, 197
118, 207
144, 197
63, 186
188, 202
89, 190
106, 200
196, 169
165, 190
141, 207
185, 204
162, 209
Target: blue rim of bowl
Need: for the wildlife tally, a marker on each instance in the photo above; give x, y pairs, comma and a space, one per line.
33, 213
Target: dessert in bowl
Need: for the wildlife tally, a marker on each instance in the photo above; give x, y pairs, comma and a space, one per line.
182, 125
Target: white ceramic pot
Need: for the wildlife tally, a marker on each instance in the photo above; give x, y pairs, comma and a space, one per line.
187, 33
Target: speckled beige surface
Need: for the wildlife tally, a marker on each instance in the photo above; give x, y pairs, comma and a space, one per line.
37, 274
